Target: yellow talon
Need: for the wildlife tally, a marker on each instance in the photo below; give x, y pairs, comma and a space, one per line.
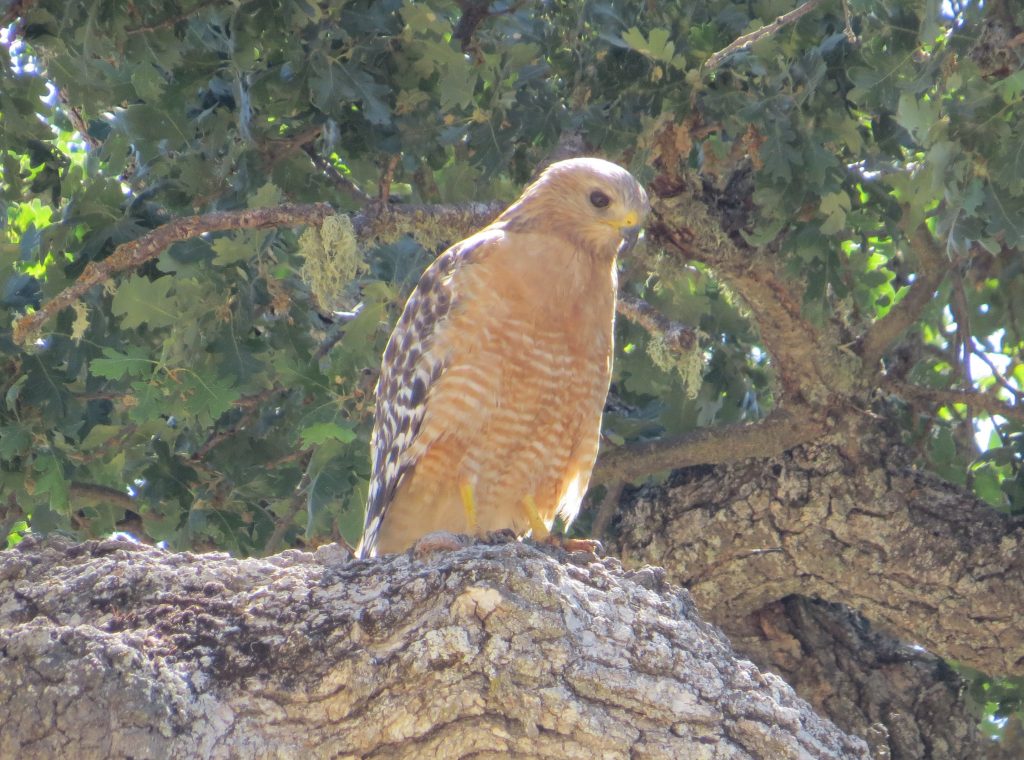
469, 504
540, 530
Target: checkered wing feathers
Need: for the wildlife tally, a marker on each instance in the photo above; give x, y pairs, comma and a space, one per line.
412, 364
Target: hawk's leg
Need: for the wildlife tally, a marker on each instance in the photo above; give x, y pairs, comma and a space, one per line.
539, 529
469, 504
542, 534
588, 545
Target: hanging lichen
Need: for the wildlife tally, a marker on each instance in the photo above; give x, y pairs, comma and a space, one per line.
689, 364
330, 261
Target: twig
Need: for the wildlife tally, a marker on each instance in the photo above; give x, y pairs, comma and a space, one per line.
171, 21
678, 337
780, 431
249, 405
17, 8
964, 346
986, 402
75, 117
337, 331
883, 333
1000, 378
609, 504
741, 43
285, 521
340, 181
275, 149
114, 442
851, 36
384, 193
136, 252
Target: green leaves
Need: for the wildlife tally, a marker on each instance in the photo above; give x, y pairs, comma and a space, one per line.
335, 86
657, 45
834, 206
917, 115
134, 362
198, 381
140, 301
324, 431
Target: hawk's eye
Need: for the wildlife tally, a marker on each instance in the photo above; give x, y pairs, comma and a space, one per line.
599, 199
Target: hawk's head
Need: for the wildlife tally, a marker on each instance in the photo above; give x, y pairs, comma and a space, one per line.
594, 202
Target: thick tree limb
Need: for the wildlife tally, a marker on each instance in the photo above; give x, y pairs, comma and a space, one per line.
854, 525
807, 362
109, 649
907, 702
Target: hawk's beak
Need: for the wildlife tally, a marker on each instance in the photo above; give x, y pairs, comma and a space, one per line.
629, 238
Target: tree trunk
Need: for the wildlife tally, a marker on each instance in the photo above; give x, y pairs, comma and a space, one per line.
111, 649
755, 541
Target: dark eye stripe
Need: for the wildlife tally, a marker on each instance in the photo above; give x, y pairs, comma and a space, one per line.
599, 199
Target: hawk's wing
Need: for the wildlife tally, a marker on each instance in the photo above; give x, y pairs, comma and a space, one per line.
410, 367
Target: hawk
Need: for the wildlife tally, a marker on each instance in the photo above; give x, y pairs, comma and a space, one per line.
493, 382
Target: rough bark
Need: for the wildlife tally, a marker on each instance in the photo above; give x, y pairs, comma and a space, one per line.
910, 552
906, 702
111, 649
901, 546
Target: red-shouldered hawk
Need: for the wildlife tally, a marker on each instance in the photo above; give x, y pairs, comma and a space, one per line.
491, 390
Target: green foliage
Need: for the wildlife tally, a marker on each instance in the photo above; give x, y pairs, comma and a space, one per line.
191, 388
207, 351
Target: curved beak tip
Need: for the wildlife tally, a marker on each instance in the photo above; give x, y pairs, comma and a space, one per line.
629, 237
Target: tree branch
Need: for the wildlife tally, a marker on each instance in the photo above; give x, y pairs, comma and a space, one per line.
75, 117
387, 177
170, 21
778, 432
14, 10
907, 550
1005, 384
136, 252
678, 337
942, 397
97, 494
250, 407
336, 178
741, 43
504, 651
299, 498
808, 365
886, 331
433, 225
